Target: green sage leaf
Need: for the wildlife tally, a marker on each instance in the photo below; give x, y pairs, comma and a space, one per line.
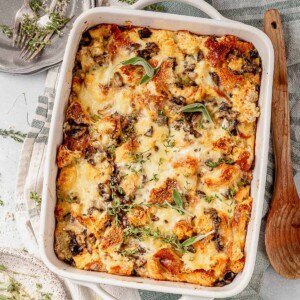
147, 78
195, 239
177, 198
197, 107
139, 61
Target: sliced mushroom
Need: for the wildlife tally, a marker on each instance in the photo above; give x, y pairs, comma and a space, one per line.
216, 220
150, 50
74, 246
215, 77
104, 192
162, 120
149, 132
77, 132
102, 59
227, 279
178, 100
133, 47
200, 56
145, 33
254, 53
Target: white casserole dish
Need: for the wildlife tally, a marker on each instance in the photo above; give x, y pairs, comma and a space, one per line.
218, 26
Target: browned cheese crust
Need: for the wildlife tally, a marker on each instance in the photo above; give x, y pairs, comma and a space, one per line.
129, 149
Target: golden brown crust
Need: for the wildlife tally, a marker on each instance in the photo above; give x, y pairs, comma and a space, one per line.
139, 179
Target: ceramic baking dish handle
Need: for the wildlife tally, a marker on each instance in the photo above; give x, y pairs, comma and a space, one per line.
96, 288
200, 4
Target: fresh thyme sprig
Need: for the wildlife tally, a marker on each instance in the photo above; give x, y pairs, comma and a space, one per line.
172, 239
155, 233
17, 136
138, 160
213, 164
12, 286
36, 5
36, 33
116, 209
6, 30
129, 252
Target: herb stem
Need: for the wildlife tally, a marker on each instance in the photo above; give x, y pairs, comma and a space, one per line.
17, 136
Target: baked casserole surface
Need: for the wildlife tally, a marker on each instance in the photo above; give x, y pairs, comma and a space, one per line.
154, 175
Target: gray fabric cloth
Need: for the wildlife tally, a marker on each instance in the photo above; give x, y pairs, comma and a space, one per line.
250, 12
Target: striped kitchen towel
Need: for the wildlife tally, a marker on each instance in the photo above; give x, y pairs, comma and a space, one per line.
30, 177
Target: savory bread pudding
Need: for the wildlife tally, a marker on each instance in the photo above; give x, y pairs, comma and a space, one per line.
157, 156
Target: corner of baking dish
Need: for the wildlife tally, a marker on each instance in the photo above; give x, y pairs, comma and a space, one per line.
90, 18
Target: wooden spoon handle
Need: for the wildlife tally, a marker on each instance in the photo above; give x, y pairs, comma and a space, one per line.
280, 104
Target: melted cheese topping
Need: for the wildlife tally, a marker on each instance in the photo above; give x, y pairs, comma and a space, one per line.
128, 149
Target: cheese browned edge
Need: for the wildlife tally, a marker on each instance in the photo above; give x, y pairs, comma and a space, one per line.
127, 146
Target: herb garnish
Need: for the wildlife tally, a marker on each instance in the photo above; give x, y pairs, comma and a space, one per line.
130, 252
138, 61
154, 178
36, 5
6, 31
1, 202
169, 142
197, 107
208, 199
178, 203
172, 240
18, 136
195, 239
232, 192
117, 209
12, 286
212, 164
43, 296
36, 33
36, 198
138, 159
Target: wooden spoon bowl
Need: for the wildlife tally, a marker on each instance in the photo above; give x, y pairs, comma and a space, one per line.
283, 222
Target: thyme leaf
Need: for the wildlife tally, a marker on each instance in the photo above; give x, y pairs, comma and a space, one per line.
172, 240
17, 136
6, 30
36, 5
3, 268
129, 252
36, 198
154, 233
212, 164
197, 107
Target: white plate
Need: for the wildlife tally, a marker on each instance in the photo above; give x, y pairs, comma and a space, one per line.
10, 60
33, 272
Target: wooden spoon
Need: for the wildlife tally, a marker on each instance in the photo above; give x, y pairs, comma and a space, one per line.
283, 223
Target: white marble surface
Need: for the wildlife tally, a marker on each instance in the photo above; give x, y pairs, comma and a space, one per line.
13, 114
